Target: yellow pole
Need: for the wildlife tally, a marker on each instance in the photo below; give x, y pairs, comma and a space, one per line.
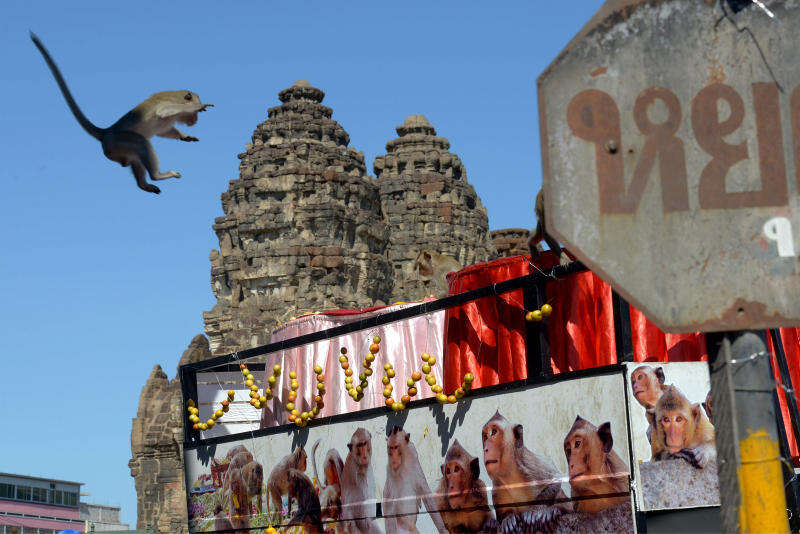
763, 506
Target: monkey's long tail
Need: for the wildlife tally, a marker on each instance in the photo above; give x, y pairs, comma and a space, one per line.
314, 460
87, 125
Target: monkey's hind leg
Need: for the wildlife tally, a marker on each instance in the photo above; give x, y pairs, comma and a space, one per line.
129, 148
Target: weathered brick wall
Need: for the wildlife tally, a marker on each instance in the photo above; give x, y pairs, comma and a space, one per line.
510, 241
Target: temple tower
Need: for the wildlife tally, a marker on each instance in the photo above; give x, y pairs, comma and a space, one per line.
428, 204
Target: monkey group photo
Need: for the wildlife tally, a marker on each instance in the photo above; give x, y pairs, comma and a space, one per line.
499, 467
672, 427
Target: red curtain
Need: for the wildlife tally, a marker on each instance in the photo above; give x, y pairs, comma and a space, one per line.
486, 337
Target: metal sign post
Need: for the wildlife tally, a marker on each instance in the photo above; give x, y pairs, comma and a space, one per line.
670, 135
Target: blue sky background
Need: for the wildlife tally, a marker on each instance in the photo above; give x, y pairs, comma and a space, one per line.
101, 281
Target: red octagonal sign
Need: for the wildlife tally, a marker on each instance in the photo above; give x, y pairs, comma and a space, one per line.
671, 155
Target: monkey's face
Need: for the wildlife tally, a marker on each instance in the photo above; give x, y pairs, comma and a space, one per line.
675, 425
645, 387
253, 475
424, 265
576, 449
457, 479
300, 464
493, 436
395, 455
191, 102
363, 452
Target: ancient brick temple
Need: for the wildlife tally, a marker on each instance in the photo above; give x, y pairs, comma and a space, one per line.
302, 229
428, 203
306, 229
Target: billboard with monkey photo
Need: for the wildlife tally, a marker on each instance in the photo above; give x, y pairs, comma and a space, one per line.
672, 435
518, 457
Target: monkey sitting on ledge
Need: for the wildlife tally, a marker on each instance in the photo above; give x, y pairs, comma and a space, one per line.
126, 141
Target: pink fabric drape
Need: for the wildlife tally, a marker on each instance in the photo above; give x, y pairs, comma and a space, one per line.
402, 343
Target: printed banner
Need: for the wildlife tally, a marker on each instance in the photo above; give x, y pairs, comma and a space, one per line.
552, 457
672, 433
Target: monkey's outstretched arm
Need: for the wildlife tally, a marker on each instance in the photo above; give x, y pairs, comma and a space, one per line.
174, 133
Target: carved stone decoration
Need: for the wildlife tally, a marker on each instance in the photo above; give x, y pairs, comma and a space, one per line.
510, 241
157, 448
302, 230
428, 204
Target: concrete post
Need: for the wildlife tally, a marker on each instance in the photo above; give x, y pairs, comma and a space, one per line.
749, 463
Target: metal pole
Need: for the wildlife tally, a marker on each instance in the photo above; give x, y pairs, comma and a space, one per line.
749, 462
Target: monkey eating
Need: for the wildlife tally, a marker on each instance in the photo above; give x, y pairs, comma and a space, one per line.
405, 487
647, 384
127, 140
358, 485
597, 475
278, 481
461, 494
541, 234
301, 489
526, 487
330, 495
682, 430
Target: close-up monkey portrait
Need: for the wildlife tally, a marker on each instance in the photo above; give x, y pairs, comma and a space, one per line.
682, 430
127, 140
461, 494
526, 487
597, 475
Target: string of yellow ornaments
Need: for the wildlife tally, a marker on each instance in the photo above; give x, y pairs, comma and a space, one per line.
297, 417
357, 392
256, 400
537, 315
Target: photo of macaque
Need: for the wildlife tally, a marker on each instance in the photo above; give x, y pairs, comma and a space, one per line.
406, 487
240, 501
560, 474
676, 463
524, 485
330, 493
461, 494
358, 485
647, 384
597, 475
682, 430
278, 481
301, 489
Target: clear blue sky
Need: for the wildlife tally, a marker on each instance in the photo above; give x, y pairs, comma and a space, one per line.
100, 281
